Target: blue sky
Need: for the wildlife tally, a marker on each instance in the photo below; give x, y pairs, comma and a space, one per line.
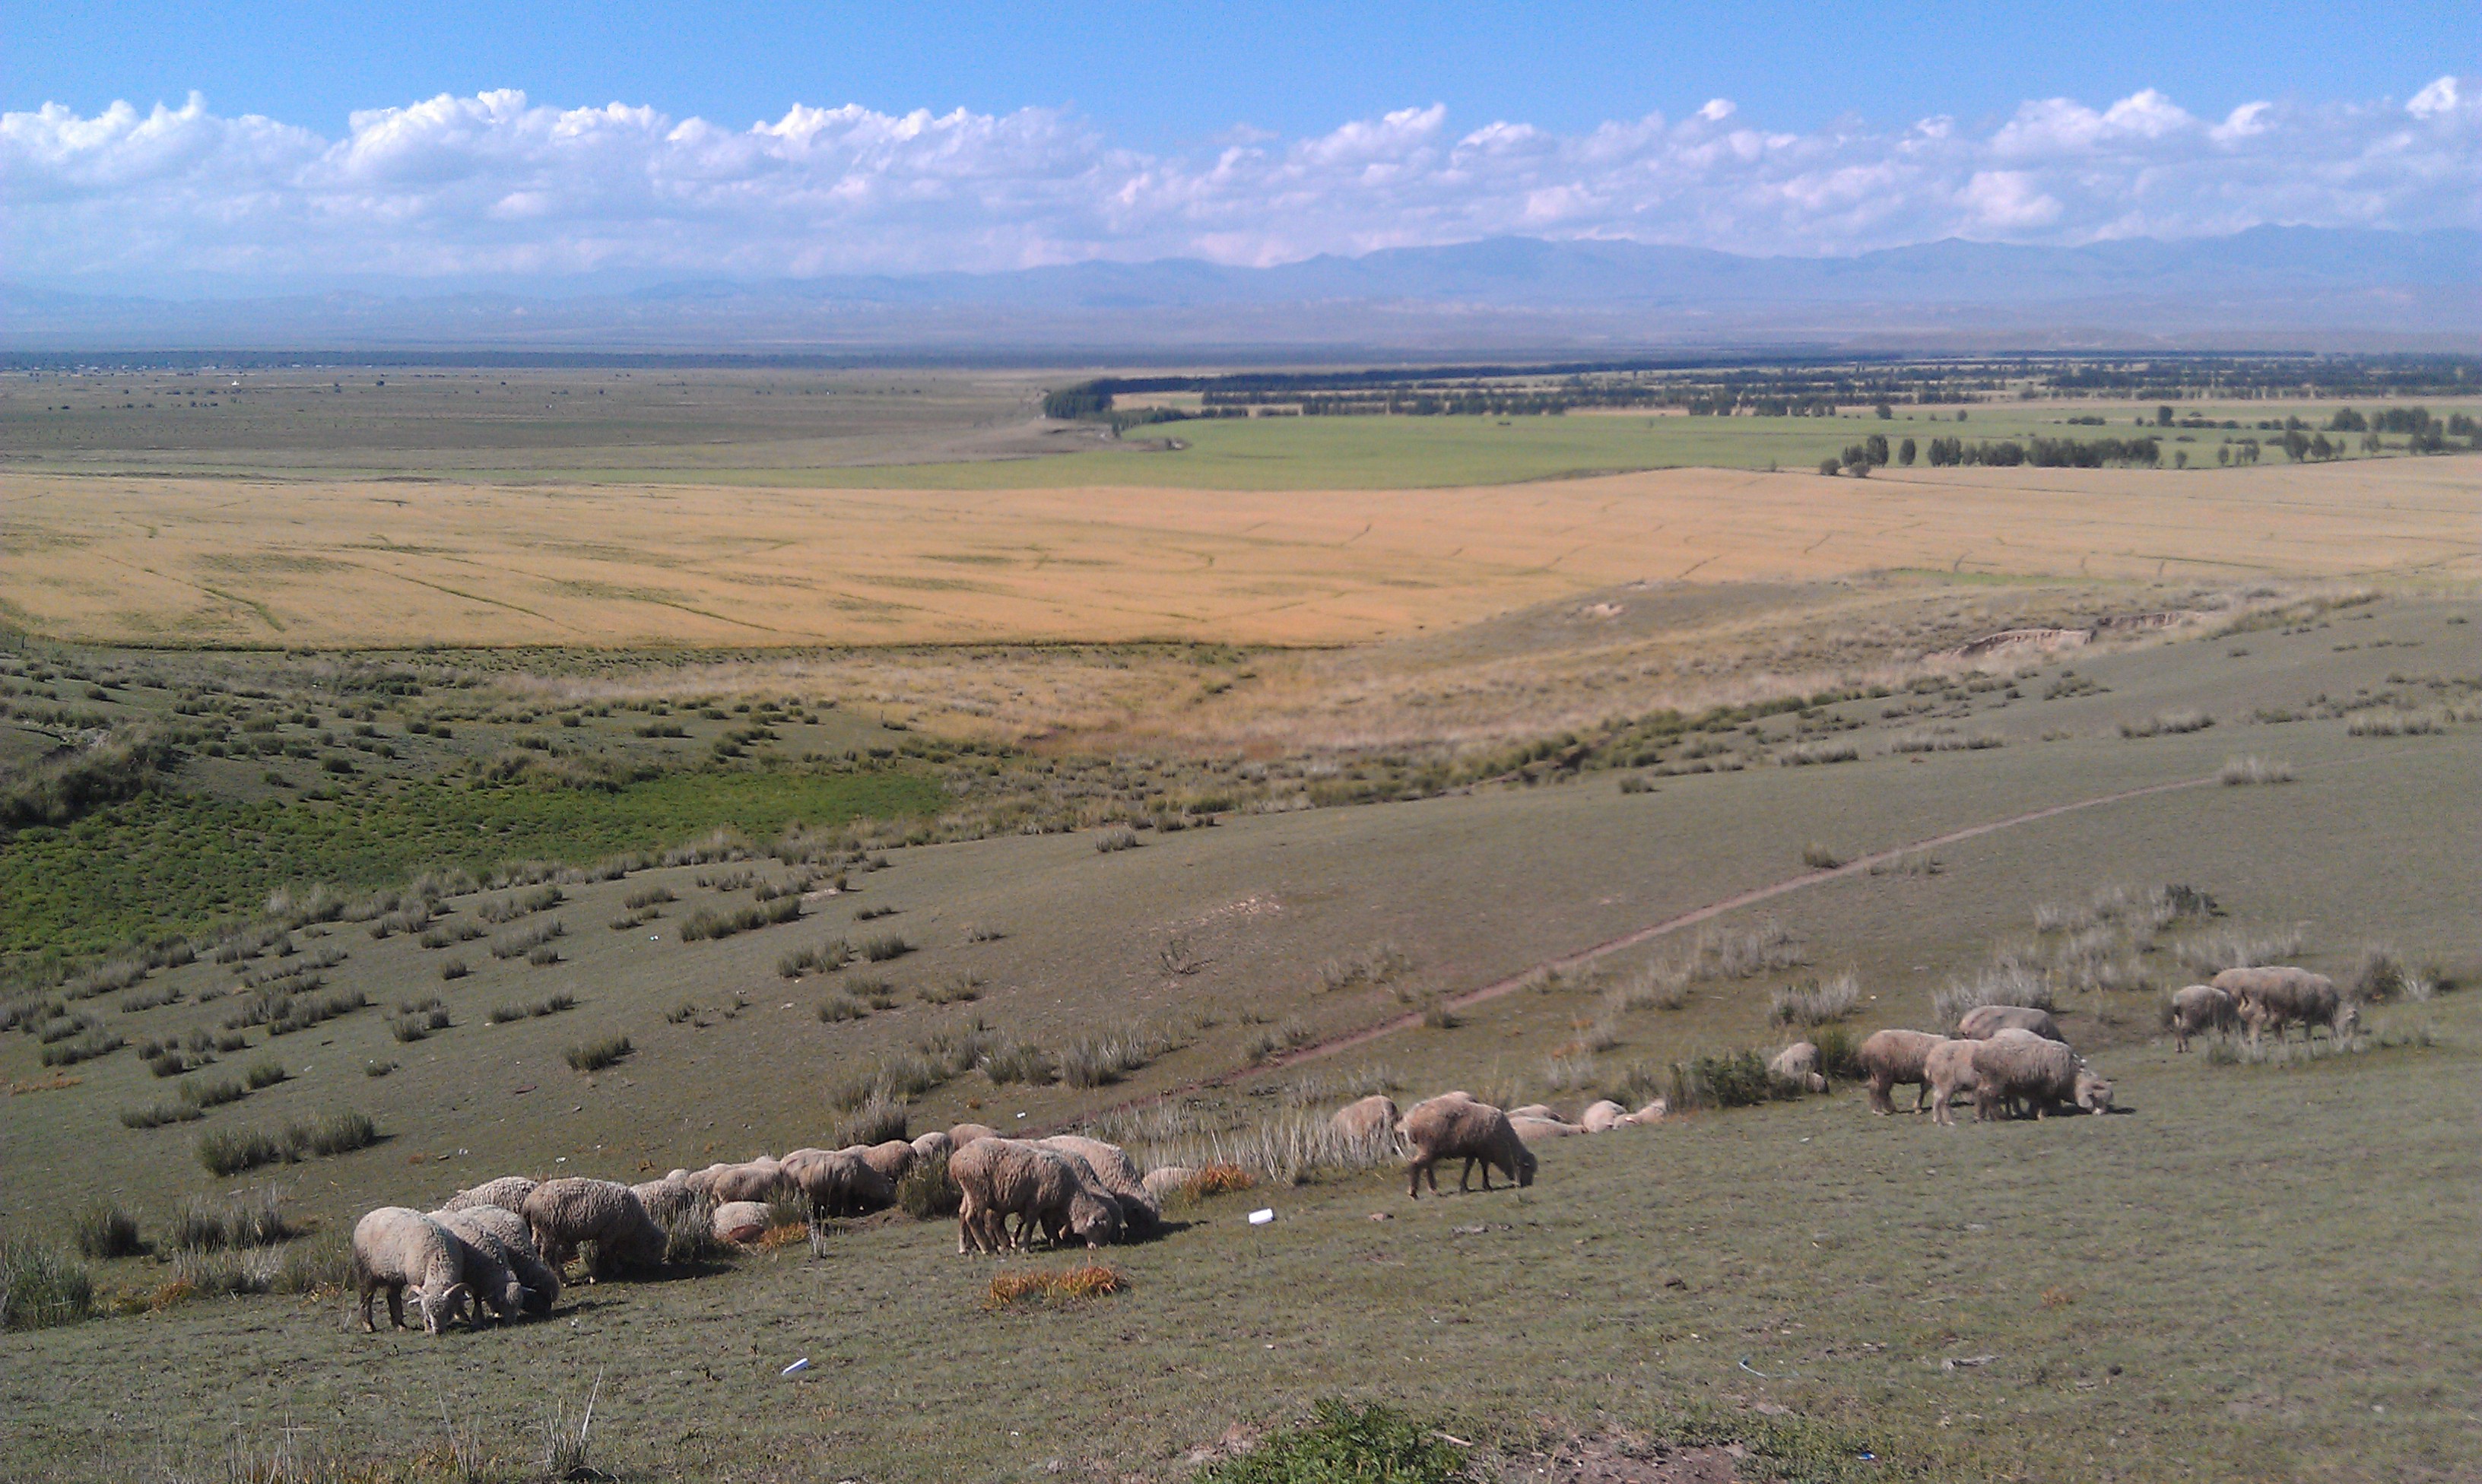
278, 143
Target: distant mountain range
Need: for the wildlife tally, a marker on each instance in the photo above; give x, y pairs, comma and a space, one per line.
2271, 287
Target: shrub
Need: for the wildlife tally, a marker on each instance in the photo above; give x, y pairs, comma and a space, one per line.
842, 1007
545, 957
1839, 1052
2168, 723
2005, 982
1119, 837
40, 1286
2246, 770
597, 1054
872, 914
85, 1048
1656, 987
212, 1094
884, 946
826, 958
708, 924
520, 945
925, 1192
231, 1150
161, 1115
1342, 1443
338, 1134
1730, 1079
264, 1074
876, 1121
375, 1068
454, 968
646, 896
1815, 1003
1021, 1061
962, 989
1811, 754
1818, 856
2211, 953
103, 1230
1267, 1043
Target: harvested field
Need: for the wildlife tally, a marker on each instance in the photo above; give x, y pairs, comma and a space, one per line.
340, 563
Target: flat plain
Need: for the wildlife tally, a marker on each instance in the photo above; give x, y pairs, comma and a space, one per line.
1477, 786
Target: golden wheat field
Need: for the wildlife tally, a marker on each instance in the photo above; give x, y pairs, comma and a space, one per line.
380, 564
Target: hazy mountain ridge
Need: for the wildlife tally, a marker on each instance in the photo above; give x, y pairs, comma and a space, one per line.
2273, 285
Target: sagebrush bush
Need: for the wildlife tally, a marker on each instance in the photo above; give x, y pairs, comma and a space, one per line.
2249, 769
875, 1121
926, 1193
1118, 838
1815, 1002
42, 1286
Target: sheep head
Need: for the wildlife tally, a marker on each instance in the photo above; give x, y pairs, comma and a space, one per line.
2093, 1092
444, 1307
1096, 1222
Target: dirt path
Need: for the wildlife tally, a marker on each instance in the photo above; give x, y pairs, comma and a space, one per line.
1690, 919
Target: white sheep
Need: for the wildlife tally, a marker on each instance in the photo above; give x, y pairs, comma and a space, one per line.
400, 1249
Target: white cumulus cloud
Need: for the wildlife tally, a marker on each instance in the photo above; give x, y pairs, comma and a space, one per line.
498, 185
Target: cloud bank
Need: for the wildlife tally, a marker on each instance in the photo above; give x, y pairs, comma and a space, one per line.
497, 187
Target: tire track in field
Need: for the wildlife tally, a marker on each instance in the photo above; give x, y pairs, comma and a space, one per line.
1690, 919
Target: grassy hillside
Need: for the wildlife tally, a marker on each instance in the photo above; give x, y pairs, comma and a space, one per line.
2123, 1298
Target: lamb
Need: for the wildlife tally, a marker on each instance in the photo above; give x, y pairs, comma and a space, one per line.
1454, 1125
668, 1198
2197, 1008
1057, 1224
1370, 1121
1947, 1069
1602, 1117
509, 1192
838, 1183
1798, 1065
740, 1221
2017, 1065
566, 1211
762, 1180
1115, 1172
1982, 1020
503, 1234
891, 1159
1166, 1181
1892, 1057
964, 1133
397, 1248
2281, 998
1002, 1178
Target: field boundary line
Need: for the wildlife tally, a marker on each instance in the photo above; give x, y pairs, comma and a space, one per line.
1857, 866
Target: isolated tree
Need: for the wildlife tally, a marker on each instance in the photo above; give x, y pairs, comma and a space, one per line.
2163, 417
1827, 466
1885, 412
1875, 448
1904, 453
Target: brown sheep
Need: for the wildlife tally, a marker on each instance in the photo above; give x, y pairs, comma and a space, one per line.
1948, 1068
569, 1211
2279, 999
1457, 1127
760, 1179
1002, 1178
891, 1159
1892, 1057
2017, 1065
1984, 1021
1370, 1121
964, 1133
2197, 1008
838, 1183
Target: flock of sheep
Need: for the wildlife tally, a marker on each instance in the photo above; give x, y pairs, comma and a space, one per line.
504, 1244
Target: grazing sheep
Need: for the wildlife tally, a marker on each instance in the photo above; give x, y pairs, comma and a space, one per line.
1166, 1181
1985, 1021
1369, 1121
2197, 1008
488, 1278
1798, 1065
761, 1180
740, 1221
891, 1159
2278, 999
1107, 1215
1457, 1127
1601, 1117
934, 1145
1892, 1057
1536, 1130
1002, 1178
838, 1182
505, 1235
399, 1249
668, 1198
1116, 1173
566, 1211
964, 1133
509, 1192
2017, 1066
1947, 1068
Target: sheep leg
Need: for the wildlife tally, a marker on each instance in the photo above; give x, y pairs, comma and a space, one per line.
1414, 1180
396, 1304
370, 1290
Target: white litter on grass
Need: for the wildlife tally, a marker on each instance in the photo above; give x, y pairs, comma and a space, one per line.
1263, 1215
804, 1364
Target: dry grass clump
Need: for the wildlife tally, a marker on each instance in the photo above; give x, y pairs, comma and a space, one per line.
1284, 1148
1378, 964
2167, 723
2376, 722
926, 1193
1218, 1178
103, 1230
255, 1218
598, 1054
2249, 769
1945, 739
1818, 855
1270, 1042
2381, 975
708, 923
1660, 986
826, 958
2211, 953
42, 1286
1069, 1285
1815, 1002
875, 1121
1770, 947
1118, 838
2006, 981
1100, 1060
